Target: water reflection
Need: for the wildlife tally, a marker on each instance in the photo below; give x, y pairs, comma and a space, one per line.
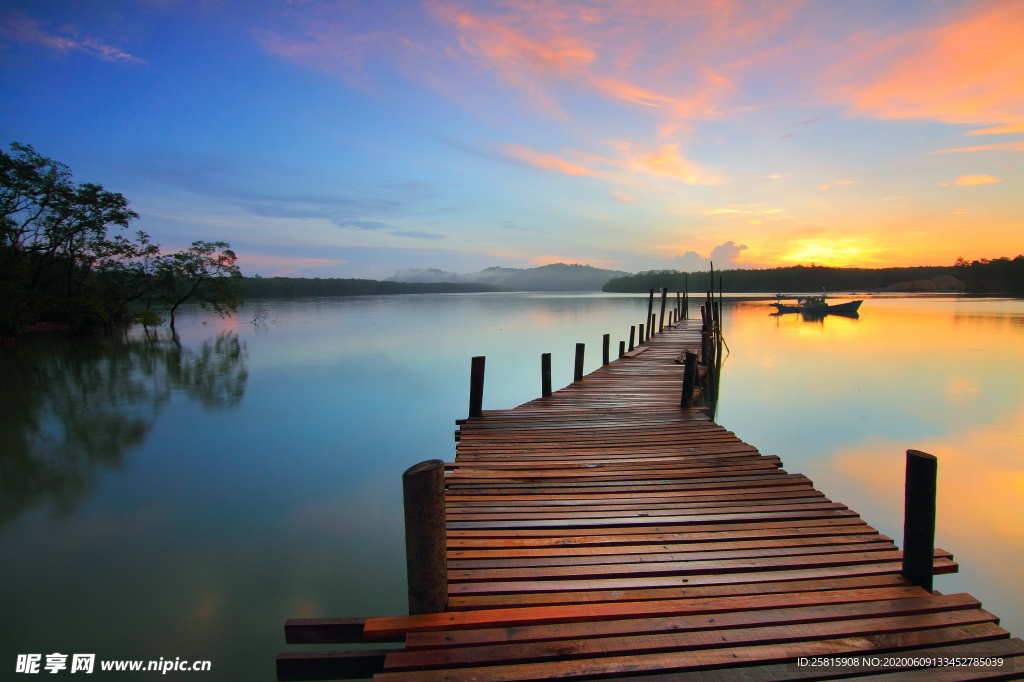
71, 407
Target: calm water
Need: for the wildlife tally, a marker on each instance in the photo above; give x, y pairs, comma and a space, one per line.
159, 500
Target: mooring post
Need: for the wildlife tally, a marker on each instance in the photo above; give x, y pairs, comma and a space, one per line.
650, 311
689, 379
919, 518
577, 373
650, 325
622, 348
640, 331
606, 341
686, 296
426, 554
661, 319
632, 336
476, 386
545, 374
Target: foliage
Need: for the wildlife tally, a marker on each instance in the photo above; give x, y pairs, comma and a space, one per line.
65, 256
206, 272
1001, 275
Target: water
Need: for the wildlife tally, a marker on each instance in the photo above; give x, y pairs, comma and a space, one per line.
165, 500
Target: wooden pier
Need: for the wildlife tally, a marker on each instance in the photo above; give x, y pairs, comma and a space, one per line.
605, 531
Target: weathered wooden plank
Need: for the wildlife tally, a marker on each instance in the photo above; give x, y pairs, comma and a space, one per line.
710, 658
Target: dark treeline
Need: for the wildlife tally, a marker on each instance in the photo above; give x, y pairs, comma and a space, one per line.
289, 287
1002, 275
66, 255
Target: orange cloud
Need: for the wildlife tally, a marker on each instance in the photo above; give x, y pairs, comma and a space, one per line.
664, 161
967, 71
667, 161
970, 180
742, 211
622, 196
545, 161
1004, 146
999, 130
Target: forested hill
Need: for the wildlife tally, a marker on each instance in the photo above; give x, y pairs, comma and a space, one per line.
291, 287
1002, 275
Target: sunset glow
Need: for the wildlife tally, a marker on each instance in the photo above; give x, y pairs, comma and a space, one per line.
356, 139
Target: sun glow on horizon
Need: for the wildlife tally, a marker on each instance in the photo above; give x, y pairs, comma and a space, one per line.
832, 252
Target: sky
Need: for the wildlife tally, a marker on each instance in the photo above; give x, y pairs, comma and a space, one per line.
354, 139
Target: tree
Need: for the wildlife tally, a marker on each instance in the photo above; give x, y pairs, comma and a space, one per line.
52, 234
207, 272
64, 256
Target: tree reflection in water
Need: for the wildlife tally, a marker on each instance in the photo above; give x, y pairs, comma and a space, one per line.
70, 406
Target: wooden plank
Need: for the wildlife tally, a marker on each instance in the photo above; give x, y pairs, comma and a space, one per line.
831, 605
564, 650
996, 648
603, 531
710, 658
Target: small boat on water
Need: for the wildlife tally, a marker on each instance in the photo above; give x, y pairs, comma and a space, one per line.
815, 305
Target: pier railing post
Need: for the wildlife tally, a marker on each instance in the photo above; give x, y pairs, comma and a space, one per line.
577, 372
476, 386
426, 553
640, 331
919, 518
650, 325
661, 320
650, 311
606, 341
622, 348
689, 379
632, 336
545, 374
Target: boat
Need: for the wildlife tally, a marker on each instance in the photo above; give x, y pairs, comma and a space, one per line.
815, 305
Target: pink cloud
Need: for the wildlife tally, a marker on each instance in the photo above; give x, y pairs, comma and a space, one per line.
548, 162
966, 71
18, 27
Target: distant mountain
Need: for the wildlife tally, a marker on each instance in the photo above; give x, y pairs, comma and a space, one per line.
556, 277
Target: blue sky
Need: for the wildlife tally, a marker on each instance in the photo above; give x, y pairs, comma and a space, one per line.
356, 139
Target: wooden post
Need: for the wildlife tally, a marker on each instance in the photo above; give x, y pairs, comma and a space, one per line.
577, 373
689, 379
686, 296
622, 348
661, 320
545, 374
919, 518
476, 386
426, 554
632, 336
650, 311
650, 325
640, 331
719, 304
605, 343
